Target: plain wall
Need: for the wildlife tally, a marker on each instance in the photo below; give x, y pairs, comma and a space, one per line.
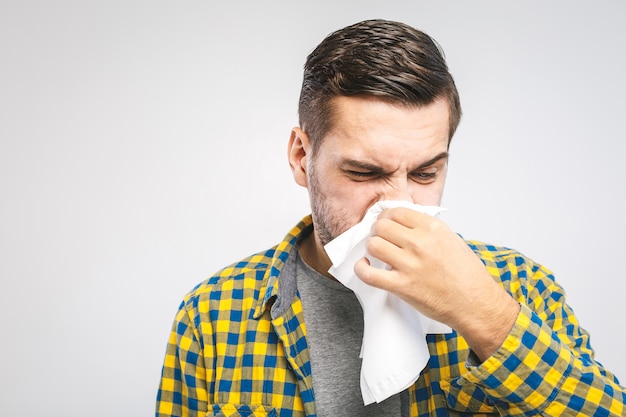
143, 146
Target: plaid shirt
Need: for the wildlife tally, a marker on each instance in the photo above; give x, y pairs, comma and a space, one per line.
238, 348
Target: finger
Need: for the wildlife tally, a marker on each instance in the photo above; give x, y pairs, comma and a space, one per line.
388, 252
376, 277
391, 231
404, 216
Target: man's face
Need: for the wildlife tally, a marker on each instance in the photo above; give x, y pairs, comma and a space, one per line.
376, 151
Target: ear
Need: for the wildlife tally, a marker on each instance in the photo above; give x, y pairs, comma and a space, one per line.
298, 152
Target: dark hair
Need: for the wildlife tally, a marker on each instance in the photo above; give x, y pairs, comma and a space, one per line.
374, 58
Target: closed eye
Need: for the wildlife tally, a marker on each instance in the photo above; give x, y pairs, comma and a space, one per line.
424, 177
363, 174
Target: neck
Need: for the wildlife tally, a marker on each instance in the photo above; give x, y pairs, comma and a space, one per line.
314, 255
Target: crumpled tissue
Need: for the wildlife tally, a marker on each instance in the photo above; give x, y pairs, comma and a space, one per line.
394, 349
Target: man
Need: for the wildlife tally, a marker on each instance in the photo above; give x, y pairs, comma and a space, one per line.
276, 335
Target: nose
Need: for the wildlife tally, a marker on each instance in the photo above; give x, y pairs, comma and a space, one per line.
397, 189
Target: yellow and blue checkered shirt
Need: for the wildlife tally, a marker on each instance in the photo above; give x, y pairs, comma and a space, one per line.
238, 348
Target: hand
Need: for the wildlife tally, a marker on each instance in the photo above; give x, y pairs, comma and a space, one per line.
435, 271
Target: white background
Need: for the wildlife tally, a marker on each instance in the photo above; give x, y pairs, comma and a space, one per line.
143, 146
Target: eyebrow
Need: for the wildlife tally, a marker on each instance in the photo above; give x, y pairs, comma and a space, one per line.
362, 165
366, 166
432, 161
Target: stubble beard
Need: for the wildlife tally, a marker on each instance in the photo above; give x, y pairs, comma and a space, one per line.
327, 225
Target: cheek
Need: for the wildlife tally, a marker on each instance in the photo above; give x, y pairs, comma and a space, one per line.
352, 200
362, 197
351, 197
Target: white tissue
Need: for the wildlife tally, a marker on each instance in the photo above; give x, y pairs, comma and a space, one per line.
394, 349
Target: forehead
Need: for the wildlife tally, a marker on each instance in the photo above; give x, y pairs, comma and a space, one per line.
367, 109
370, 125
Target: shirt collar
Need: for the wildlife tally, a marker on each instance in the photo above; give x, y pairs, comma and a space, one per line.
270, 292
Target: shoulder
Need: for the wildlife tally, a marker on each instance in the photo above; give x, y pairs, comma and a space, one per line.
522, 277
507, 263
248, 276
489, 253
252, 279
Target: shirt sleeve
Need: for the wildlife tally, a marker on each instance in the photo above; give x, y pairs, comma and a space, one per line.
546, 365
183, 389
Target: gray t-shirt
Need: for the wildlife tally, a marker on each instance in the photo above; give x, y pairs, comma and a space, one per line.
334, 324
